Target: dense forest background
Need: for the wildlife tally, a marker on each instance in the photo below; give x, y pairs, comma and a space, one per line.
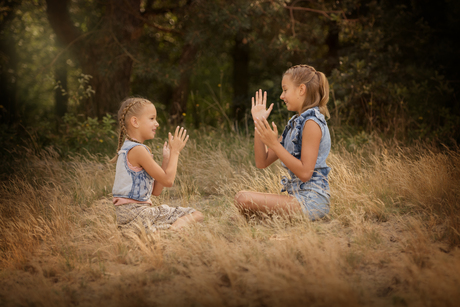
65, 65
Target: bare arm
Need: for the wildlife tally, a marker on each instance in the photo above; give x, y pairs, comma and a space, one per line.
157, 186
264, 156
140, 156
311, 138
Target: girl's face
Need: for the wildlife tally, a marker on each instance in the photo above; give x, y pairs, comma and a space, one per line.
147, 123
292, 95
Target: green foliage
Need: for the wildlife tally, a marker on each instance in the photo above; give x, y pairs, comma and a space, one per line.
79, 134
387, 79
82, 92
392, 65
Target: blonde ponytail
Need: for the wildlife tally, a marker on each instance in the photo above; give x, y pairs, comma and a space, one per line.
324, 93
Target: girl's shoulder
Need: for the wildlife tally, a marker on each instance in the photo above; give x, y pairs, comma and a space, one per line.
128, 145
313, 113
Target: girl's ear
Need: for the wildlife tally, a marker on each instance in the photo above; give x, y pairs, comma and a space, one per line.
302, 89
134, 122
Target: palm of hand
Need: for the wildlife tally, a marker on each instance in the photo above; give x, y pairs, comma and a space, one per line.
259, 111
259, 106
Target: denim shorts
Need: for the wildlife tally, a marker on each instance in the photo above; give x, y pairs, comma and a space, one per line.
313, 195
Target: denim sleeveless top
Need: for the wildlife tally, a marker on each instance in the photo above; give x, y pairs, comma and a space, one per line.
292, 142
129, 183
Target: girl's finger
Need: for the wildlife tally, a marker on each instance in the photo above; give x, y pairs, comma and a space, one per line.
266, 124
252, 102
261, 128
170, 137
177, 131
275, 128
270, 108
265, 98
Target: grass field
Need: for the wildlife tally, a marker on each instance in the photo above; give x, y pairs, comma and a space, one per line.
391, 238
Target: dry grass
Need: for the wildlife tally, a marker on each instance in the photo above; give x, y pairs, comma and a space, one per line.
391, 239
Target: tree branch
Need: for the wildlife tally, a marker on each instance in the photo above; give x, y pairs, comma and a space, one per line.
324, 13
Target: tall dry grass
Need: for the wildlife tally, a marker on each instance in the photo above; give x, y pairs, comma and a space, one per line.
391, 238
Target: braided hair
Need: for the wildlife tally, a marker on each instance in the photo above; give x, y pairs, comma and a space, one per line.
316, 84
129, 107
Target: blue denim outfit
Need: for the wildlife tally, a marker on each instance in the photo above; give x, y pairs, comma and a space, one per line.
129, 183
313, 195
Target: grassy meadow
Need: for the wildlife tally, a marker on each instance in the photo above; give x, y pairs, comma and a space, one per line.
391, 238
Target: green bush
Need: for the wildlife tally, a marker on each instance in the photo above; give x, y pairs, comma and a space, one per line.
79, 134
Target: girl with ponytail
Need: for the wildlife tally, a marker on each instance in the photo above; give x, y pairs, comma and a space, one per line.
302, 148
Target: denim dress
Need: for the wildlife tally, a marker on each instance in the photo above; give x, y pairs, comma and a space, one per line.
129, 183
312, 195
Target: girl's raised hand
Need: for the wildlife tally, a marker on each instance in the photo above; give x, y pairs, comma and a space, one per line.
268, 136
177, 143
259, 106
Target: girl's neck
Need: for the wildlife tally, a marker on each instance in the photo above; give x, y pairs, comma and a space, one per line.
133, 139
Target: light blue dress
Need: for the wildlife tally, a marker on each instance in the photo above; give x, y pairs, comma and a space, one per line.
129, 183
313, 195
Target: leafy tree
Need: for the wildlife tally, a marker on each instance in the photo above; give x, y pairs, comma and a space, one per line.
104, 37
397, 68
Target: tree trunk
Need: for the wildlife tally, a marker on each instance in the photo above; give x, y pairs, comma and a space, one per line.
180, 95
240, 77
106, 53
60, 75
8, 69
332, 41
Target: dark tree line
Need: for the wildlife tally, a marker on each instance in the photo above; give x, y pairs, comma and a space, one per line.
392, 64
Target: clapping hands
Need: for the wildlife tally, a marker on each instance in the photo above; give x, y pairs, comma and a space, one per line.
268, 136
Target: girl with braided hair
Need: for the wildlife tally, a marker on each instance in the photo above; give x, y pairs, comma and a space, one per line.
302, 148
138, 176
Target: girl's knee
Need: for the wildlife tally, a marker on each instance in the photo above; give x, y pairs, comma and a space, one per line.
198, 216
240, 198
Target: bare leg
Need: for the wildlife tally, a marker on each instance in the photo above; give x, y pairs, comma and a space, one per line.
194, 217
266, 203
